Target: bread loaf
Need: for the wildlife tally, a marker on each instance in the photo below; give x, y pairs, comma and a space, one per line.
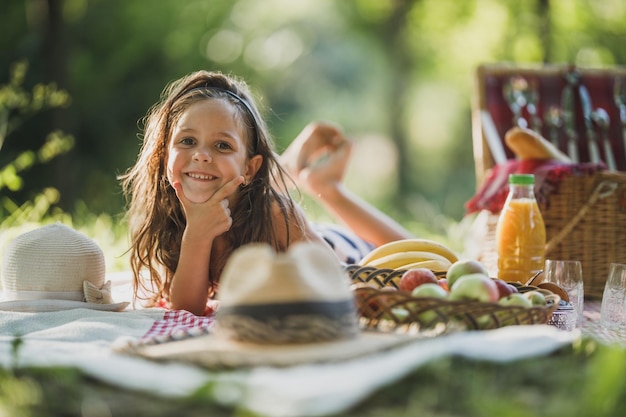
528, 144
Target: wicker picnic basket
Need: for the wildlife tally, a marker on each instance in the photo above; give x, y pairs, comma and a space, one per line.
585, 214
585, 220
380, 302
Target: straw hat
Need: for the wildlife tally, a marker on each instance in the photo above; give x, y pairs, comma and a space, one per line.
55, 268
278, 309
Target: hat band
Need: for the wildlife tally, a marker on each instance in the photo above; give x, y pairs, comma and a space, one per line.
13, 295
302, 322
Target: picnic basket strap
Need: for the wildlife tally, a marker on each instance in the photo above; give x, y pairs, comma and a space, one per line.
603, 189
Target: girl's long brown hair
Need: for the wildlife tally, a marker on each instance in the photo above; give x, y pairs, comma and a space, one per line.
155, 217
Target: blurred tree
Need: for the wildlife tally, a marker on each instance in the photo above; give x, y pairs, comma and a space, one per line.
398, 69
18, 106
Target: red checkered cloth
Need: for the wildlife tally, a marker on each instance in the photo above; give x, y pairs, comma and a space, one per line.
177, 324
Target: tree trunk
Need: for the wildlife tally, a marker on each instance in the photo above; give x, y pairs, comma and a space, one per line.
545, 31
54, 53
401, 69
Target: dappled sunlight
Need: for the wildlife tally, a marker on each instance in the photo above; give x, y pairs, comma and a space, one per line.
478, 38
278, 50
248, 14
613, 11
430, 128
594, 57
373, 170
527, 47
225, 46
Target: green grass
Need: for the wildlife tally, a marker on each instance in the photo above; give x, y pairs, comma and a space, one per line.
586, 380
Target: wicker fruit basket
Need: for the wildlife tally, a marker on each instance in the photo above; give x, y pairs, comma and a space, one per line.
380, 303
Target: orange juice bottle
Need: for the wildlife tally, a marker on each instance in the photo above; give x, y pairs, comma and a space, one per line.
520, 232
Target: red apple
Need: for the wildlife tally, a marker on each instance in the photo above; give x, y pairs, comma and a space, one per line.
464, 267
504, 288
384, 299
478, 287
513, 288
415, 277
443, 283
429, 290
365, 296
388, 288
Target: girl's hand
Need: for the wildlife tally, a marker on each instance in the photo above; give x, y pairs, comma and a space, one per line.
210, 218
318, 158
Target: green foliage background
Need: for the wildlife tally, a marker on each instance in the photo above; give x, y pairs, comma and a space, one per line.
76, 77
396, 74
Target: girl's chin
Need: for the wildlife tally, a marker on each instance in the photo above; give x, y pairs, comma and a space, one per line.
196, 196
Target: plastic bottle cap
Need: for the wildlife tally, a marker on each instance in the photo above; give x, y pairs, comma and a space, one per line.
522, 179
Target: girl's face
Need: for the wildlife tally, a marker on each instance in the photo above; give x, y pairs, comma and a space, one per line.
207, 149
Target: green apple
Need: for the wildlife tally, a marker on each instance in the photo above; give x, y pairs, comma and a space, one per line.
464, 267
397, 314
429, 290
477, 286
536, 298
428, 318
515, 299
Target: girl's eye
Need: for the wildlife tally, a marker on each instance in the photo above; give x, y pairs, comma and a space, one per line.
224, 146
187, 141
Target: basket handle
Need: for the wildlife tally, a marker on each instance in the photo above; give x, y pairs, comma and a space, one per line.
603, 189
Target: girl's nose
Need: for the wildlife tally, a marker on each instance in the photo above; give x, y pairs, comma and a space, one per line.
202, 155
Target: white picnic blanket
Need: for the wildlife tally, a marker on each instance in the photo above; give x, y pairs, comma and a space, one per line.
84, 338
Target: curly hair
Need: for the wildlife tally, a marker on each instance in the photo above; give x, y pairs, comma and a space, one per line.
154, 214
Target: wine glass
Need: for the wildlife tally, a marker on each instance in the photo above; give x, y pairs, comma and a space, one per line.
568, 274
613, 310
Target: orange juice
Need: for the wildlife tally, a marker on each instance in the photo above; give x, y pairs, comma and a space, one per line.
520, 233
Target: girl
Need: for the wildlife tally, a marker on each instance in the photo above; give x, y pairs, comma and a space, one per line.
207, 181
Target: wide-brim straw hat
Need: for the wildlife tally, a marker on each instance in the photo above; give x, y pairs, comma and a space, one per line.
55, 268
277, 310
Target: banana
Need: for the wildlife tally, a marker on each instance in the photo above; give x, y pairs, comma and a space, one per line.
408, 245
398, 259
432, 264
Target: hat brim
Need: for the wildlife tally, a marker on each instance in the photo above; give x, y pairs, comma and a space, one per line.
213, 351
42, 306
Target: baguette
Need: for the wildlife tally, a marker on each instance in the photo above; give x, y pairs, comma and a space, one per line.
528, 144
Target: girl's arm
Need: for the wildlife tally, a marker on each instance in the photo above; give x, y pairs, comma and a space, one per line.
190, 283
296, 229
317, 159
205, 222
367, 222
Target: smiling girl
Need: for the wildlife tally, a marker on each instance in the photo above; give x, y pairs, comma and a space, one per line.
208, 181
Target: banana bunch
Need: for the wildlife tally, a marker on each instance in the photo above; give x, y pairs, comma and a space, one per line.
409, 254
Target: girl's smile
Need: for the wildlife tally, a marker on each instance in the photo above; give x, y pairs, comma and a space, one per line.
200, 176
